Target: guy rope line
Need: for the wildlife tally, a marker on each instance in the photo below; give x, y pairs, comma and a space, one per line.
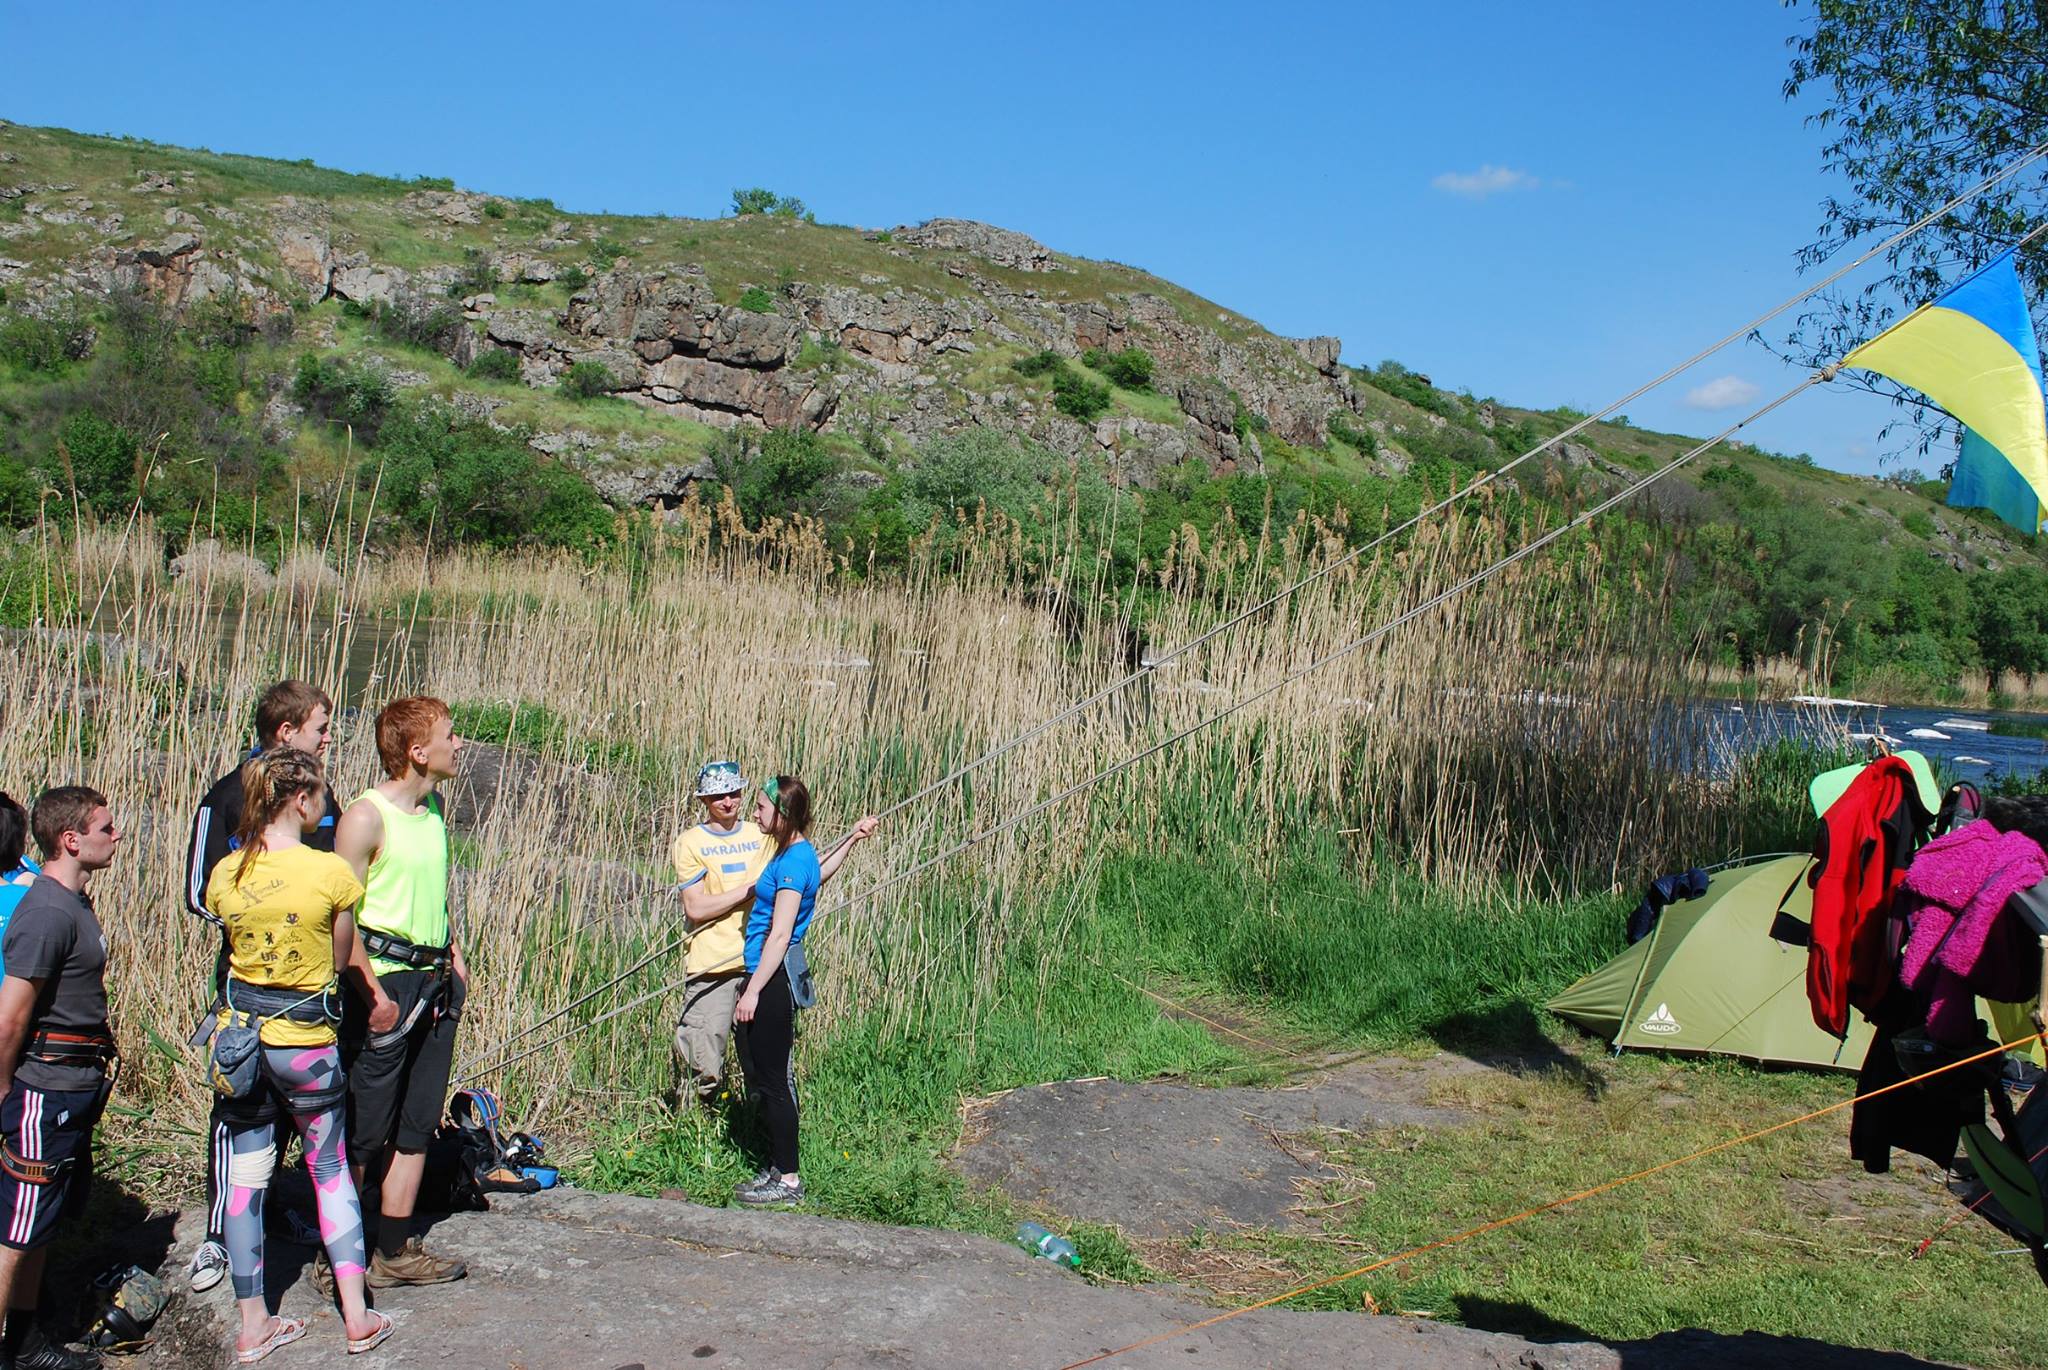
1496, 1224
1039, 729
1520, 554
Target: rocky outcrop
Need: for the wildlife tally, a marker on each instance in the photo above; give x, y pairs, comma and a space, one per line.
1002, 246
906, 349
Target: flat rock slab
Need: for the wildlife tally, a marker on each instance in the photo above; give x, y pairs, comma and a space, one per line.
1161, 1158
575, 1279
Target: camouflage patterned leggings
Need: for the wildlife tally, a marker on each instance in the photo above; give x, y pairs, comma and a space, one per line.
309, 1084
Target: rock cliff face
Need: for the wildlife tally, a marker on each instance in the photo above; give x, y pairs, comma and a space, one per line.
917, 344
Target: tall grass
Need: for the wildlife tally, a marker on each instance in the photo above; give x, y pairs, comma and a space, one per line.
1522, 742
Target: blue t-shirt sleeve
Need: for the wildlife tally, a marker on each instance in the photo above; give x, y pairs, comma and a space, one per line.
796, 869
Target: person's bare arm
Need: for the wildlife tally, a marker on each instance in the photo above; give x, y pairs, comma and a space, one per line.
701, 906
359, 836
828, 865
352, 963
17, 999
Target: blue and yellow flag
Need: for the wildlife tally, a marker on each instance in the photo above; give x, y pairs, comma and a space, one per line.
1974, 353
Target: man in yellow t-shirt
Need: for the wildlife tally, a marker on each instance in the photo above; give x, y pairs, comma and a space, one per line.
717, 861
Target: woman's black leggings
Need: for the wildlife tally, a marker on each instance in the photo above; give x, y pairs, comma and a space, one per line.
765, 1046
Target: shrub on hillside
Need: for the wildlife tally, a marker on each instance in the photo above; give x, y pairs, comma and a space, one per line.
416, 322
472, 483
331, 388
1130, 368
1357, 437
973, 467
574, 279
784, 473
495, 364
587, 380
30, 344
98, 460
761, 200
1038, 364
755, 300
1074, 395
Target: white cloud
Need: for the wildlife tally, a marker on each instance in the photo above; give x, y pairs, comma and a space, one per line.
1723, 392
1488, 180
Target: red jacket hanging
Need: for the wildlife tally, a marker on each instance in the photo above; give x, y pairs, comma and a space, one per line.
1867, 838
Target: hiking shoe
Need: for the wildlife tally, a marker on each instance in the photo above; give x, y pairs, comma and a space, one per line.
321, 1273
209, 1266
413, 1264
774, 1190
38, 1352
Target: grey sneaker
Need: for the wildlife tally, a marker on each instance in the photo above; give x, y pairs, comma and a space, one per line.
771, 1190
209, 1266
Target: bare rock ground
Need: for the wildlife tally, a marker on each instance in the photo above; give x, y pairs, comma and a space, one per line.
1160, 1157
577, 1279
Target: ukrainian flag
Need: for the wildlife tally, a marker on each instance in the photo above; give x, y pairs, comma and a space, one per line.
1973, 352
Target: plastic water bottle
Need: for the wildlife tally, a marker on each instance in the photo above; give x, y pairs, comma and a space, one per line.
1051, 1245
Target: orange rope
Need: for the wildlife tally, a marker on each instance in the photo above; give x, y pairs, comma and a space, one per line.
1540, 1209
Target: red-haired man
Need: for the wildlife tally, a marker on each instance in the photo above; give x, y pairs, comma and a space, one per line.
397, 841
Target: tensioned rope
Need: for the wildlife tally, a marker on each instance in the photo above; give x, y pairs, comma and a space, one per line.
1496, 1224
1039, 729
1520, 554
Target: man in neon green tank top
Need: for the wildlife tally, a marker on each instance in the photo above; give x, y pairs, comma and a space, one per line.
397, 843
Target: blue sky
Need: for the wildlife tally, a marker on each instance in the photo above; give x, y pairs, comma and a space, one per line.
1545, 203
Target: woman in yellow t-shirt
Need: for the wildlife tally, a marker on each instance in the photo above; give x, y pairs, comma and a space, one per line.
290, 918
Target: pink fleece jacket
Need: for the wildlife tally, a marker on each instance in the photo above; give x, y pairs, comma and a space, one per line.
1961, 945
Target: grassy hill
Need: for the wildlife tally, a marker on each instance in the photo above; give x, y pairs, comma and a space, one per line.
513, 372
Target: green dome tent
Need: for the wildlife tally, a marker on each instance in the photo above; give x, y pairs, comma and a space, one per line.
1710, 978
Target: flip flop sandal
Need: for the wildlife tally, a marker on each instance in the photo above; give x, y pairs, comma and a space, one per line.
358, 1345
288, 1331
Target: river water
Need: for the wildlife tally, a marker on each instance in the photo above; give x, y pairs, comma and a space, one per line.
1967, 752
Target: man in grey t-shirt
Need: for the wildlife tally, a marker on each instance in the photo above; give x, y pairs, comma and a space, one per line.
56, 1047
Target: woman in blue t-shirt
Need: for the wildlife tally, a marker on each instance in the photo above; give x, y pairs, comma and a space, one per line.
765, 1017
17, 872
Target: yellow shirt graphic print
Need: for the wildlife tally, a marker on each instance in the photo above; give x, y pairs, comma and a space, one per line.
724, 863
280, 918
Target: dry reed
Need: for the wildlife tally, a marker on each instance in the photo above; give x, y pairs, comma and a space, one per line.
1528, 735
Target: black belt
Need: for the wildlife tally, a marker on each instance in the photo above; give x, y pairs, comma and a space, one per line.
53, 1046
398, 949
291, 1005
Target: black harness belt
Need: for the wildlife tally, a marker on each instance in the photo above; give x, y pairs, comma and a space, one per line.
408, 953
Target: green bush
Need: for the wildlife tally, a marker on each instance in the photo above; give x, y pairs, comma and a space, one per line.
1130, 368
353, 395
1038, 364
1918, 522
472, 483
99, 460
784, 474
426, 324
574, 279
1362, 440
494, 209
30, 344
756, 300
1078, 397
495, 364
587, 380
761, 200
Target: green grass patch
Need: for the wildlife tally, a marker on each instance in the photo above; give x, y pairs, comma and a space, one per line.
1781, 1235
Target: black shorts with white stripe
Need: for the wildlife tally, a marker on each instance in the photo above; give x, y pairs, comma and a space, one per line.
47, 1128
